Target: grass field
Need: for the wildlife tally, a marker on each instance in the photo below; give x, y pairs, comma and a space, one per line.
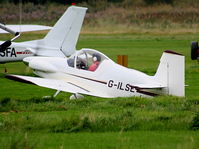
28, 121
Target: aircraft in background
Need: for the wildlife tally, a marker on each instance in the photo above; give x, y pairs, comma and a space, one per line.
90, 72
60, 41
194, 51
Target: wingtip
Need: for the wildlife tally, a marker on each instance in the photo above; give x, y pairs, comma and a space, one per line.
18, 79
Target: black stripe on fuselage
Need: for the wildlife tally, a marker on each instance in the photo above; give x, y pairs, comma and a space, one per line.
147, 93
141, 90
103, 82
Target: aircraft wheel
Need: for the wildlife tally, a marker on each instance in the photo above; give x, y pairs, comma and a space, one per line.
76, 96
194, 50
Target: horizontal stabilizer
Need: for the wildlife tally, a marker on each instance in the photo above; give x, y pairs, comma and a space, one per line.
148, 86
25, 28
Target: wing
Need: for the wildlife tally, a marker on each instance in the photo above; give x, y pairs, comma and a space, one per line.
53, 84
26, 28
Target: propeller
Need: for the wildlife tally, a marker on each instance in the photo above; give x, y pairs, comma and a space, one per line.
7, 43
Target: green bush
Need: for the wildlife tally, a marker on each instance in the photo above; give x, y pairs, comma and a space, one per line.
195, 122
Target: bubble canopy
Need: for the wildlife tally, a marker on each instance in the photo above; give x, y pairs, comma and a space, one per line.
83, 58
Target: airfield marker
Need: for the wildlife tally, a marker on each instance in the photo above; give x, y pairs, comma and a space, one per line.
122, 60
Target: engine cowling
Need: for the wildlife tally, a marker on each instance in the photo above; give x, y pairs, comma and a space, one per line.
40, 64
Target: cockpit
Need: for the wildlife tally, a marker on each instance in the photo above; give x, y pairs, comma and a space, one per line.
86, 59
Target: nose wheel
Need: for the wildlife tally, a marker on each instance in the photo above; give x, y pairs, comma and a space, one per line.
76, 96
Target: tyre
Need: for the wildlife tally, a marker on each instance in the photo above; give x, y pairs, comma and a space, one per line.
194, 50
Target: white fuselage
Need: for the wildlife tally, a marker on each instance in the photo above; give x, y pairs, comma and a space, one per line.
109, 80
18, 51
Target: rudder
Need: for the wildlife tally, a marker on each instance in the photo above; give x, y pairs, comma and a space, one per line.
171, 73
65, 33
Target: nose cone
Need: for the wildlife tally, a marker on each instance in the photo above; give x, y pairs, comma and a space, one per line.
42, 65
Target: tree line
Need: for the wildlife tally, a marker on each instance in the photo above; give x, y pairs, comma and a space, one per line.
149, 2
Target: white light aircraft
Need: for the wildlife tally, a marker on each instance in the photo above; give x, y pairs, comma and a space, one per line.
60, 41
90, 72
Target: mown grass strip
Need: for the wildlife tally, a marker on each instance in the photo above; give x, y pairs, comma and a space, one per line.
94, 115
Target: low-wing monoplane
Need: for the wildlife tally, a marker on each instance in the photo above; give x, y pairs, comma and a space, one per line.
90, 72
60, 41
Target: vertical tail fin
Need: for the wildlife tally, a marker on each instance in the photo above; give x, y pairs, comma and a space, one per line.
65, 33
171, 74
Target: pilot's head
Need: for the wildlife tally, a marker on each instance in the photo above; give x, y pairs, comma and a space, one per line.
96, 57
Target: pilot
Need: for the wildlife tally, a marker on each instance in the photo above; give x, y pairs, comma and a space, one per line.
96, 61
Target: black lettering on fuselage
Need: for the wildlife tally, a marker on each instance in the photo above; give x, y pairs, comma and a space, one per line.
110, 83
121, 86
128, 87
9, 52
2, 54
13, 53
133, 90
